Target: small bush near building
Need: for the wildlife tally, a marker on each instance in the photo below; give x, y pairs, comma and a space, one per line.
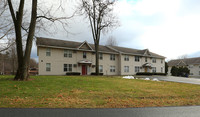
150, 74
73, 73
93, 73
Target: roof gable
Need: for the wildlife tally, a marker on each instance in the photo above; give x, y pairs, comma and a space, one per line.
146, 53
85, 46
181, 63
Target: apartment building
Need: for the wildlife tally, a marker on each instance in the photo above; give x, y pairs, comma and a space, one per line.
57, 57
193, 64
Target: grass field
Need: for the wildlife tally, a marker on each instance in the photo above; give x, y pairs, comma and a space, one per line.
94, 92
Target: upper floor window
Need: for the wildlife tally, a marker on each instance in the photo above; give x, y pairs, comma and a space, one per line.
84, 55
145, 59
126, 68
68, 53
126, 58
48, 52
137, 58
137, 69
153, 69
101, 68
48, 66
112, 68
100, 56
154, 60
67, 67
112, 57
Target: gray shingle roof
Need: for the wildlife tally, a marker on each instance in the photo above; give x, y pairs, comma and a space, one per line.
187, 61
74, 45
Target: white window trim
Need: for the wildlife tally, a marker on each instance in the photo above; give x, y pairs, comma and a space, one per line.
67, 67
68, 53
48, 67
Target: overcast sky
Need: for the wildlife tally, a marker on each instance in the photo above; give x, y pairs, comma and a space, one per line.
170, 28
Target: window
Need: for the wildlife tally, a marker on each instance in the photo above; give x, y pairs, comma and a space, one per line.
100, 56
112, 57
67, 67
48, 66
84, 55
112, 68
137, 69
190, 66
126, 58
153, 69
68, 53
126, 68
161, 61
48, 52
100, 68
137, 58
154, 60
161, 70
145, 59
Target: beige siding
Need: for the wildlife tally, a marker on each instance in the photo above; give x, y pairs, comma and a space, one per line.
58, 60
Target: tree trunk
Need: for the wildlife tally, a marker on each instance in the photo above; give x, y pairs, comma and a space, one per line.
97, 58
24, 60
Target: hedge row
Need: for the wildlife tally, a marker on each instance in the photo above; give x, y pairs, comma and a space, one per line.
150, 74
94, 73
73, 73
78, 73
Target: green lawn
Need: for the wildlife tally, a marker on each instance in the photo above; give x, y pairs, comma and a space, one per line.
94, 92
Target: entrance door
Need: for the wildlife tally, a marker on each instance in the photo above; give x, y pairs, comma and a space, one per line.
84, 70
145, 69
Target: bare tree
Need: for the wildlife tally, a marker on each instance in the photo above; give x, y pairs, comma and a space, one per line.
183, 56
6, 27
111, 41
29, 28
33, 63
101, 18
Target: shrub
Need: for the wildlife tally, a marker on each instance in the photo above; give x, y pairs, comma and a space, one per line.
144, 73
73, 73
180, 71
94, 73
150, 74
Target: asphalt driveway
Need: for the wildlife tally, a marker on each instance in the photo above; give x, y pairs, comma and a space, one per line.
176, 79
187, 111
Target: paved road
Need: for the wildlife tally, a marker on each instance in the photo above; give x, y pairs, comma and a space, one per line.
190, 111
176, 79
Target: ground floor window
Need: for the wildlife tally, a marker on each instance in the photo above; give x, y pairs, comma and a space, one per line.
48, 66
153, 69
137, 69
112, 68
161, 70
126, 68
100, 68
67, 67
